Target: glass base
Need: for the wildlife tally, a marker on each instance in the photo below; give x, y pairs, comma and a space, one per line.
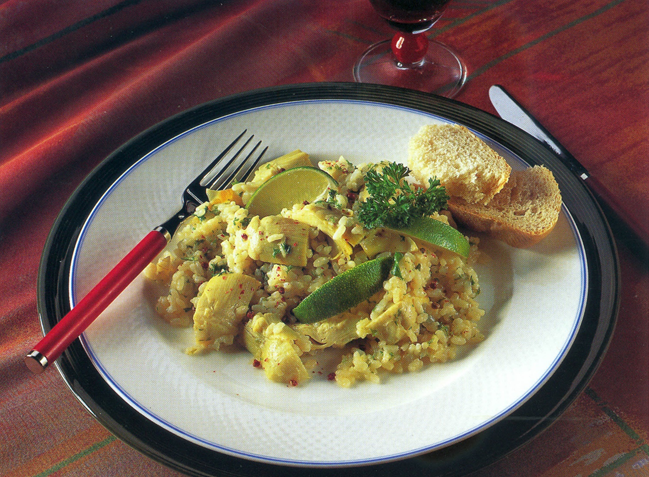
441, 72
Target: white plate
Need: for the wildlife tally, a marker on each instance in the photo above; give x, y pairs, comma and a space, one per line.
534, 301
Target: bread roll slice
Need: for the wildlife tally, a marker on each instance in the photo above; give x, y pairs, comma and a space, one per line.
463, 163
521, 214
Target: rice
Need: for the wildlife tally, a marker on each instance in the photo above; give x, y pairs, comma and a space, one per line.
420, 317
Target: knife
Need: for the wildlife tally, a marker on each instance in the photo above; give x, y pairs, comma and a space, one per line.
512, 112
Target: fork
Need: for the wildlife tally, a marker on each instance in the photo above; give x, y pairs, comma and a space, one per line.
217, 174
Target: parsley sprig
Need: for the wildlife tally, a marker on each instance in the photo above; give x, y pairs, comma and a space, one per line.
393, 202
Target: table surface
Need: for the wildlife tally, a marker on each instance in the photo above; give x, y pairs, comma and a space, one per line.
78, 79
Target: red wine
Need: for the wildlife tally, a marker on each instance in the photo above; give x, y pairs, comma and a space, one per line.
411, 16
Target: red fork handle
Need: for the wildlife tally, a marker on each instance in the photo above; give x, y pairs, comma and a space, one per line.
96, 301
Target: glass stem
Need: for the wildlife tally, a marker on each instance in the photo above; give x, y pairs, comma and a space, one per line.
409, 48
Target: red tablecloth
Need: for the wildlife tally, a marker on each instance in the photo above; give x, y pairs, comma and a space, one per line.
79, 78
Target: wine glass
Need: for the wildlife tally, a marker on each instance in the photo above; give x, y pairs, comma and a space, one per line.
410, 59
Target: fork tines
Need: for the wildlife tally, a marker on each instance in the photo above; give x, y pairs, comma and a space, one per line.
236, 170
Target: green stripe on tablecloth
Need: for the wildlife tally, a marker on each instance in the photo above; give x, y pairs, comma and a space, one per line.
628, 430
614, 417
439, 30
542, 38
76, 457
72, 28
618, 462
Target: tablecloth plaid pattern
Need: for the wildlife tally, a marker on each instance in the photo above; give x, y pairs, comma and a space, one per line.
78, 79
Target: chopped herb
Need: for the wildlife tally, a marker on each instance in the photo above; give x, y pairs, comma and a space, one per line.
393, 202
330, 199
201, 213
218, 269
285, 248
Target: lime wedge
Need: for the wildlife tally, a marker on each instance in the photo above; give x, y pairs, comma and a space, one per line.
292, 186
345, 291
438, 234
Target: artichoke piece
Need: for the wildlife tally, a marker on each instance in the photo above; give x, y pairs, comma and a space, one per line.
220, 309
336, 169
274, 345
276, 239
387, 326
281, 361
293, 159
335, 332
253, 332
383, 240
394, 323
327, 221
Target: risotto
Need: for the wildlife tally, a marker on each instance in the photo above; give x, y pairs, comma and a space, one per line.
235, 278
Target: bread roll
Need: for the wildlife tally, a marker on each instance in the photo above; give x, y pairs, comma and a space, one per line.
463, 163
521, 214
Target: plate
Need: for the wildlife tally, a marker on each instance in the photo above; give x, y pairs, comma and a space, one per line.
550, 310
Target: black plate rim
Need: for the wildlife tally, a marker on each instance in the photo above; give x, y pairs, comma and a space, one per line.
535, 415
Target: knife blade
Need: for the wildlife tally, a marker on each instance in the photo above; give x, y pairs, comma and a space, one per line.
512, 112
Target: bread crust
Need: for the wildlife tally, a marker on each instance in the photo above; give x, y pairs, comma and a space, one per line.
523, 213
